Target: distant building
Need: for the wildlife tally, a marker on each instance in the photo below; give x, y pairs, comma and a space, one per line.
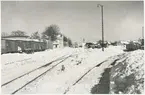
49, 44
58, 43
75, 45
65, 44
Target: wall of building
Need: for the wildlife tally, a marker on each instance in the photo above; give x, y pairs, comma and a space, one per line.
49, 44
59, 42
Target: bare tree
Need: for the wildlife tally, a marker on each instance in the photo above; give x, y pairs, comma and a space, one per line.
18, 33
65, 39
4, 34
52, 31
35, 35
69, 42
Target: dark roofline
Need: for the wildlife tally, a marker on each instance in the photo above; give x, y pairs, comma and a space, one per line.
15, 36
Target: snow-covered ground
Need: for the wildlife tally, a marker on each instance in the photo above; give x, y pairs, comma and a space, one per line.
58, 81
14, 65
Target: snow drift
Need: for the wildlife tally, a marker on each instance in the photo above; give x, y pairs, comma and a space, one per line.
127, 74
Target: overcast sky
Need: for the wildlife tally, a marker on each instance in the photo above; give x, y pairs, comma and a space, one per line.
123, 20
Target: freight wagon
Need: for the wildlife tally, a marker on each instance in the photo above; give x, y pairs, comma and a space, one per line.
12, 45
133, 46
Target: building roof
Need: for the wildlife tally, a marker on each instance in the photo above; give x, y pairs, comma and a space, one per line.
21, 39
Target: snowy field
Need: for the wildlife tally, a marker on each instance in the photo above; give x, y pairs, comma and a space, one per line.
75, 70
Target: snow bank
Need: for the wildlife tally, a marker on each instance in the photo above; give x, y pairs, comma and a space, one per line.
127, 75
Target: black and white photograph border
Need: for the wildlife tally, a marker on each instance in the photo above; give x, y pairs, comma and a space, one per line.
72, 47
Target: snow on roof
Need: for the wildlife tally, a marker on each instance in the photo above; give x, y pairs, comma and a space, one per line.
124, 42
14, 36
136, 41
21, 39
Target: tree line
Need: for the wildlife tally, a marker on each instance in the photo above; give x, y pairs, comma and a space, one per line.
50, 33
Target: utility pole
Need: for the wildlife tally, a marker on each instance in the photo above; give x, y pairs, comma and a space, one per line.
142, 32
101, 6
83, 40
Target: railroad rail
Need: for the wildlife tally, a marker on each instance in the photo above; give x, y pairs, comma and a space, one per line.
20, 81
94, 67
79, 79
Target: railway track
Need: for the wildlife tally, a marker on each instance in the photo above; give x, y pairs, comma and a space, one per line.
94, 67
16, 84
79, 79
30, 71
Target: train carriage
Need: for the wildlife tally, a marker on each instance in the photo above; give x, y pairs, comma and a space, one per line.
11, 45
3, 46
8, 46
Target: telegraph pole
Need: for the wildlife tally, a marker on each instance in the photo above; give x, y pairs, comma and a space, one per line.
101, 6
142, 32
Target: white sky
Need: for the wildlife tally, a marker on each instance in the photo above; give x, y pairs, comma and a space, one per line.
122, 20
